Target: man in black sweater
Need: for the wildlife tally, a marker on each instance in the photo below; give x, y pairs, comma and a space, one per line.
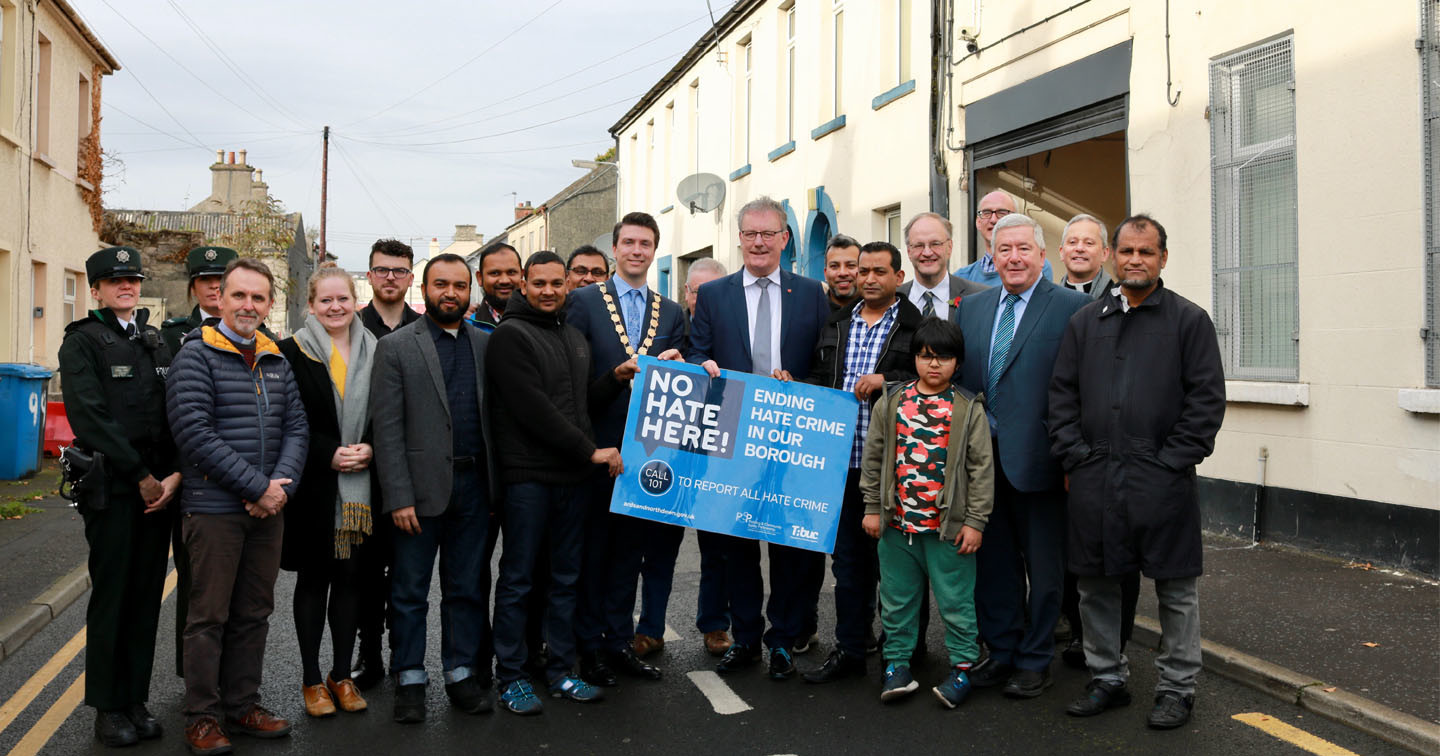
542, 368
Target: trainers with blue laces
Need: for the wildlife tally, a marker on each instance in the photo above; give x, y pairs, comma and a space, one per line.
898, 682
955, 689
520, 698
575, 689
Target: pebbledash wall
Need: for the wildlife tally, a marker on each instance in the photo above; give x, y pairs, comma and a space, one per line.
1332, 433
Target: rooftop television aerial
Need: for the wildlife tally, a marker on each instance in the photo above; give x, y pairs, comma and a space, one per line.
701, 192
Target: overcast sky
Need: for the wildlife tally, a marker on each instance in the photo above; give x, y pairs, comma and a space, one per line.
438, 111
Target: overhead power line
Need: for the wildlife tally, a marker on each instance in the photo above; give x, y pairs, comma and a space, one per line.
507, 132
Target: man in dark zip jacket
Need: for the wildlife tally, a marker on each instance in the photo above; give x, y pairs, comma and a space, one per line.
242, 434
861, 348
541, 367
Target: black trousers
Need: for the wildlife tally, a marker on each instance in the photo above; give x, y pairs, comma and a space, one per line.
127, 577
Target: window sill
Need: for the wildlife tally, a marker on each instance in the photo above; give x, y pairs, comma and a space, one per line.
9, 136
1420, 401
782, 151
885, 98
740, 172
83, 184
666, 209
1268, 392
829, 127
44, 159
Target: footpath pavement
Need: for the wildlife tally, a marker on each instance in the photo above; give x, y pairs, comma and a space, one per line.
1359, 646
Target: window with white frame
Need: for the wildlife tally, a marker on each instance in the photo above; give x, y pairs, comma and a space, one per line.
1253, 211
72, 286
788, 84
695, 124
837, 50
902, 41
893, 232
1430, 92
747, 114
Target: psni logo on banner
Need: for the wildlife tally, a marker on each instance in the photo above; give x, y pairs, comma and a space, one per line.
678, 414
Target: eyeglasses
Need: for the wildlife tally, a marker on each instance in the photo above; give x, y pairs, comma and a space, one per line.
988, 214
390, 272
934, 359
766, 235
935, 245
592, 272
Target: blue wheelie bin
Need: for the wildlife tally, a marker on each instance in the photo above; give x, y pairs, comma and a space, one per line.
22, 419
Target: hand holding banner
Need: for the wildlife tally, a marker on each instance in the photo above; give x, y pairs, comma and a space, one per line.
741, 454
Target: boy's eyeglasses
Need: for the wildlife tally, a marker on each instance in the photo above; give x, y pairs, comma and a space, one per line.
935, 359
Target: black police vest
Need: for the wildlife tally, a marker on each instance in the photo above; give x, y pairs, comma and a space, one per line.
132, 372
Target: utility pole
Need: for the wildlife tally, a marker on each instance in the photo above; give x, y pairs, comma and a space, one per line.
324, 182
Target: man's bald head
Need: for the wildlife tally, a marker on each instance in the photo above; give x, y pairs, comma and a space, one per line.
992, 208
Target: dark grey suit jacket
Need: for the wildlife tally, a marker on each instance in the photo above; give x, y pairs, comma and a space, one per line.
411, 419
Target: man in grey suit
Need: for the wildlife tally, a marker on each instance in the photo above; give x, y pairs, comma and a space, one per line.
1012, 335
935, 290
1084, 250
432, 450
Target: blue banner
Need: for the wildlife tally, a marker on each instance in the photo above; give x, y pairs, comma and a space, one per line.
741, 454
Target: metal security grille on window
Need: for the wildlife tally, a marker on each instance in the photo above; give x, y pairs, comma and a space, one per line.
1430, 89
1253, 211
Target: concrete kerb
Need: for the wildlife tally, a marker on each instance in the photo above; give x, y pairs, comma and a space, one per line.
1363, 714
24, 623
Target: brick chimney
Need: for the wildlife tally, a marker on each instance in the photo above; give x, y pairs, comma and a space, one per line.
259, 190
524, 210
231, 185
464, 233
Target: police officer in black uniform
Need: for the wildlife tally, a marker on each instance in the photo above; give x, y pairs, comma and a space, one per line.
112, 367
206, 265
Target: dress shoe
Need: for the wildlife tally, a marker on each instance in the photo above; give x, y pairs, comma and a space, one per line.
645, 645
717, 642
370, 671
1027, 683
469, 695
205, 738
114, 729
146, 725
1171, 710
782, 664
595, 671
1100, 696
410, 703
258, 722
1074, 653
318, 702
736, 658
629, 663
345, 695
990, 673
807, 642
838, 665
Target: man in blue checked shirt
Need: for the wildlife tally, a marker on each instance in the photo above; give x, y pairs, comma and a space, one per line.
861, 348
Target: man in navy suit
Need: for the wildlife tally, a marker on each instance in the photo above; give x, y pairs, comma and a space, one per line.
621, 317
767, 321
1012, 336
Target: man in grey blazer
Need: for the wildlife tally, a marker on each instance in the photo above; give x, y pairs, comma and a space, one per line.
1084, 250
935, 290
433, 453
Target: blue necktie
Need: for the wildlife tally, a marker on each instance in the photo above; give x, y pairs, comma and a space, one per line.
1001, 348
634, 306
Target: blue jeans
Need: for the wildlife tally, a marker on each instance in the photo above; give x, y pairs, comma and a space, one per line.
458, 536
538, 517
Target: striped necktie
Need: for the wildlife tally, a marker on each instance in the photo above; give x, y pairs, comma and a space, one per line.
929, 309
1001, 348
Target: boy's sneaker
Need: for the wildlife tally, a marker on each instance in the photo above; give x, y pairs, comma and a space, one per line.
955, 689
520, 698
575, 689
898, 682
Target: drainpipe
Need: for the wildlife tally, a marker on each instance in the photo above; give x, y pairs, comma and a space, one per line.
1261, 460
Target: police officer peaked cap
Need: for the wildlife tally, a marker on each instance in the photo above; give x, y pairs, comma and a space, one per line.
114, 262
209, 261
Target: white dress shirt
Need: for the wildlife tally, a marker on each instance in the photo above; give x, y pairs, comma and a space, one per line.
941, 292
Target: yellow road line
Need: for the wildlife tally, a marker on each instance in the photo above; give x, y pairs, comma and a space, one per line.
1292, 735
51, 720
40, 679
57, 663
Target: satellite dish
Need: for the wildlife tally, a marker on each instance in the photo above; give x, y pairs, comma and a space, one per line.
701, 192
602, 242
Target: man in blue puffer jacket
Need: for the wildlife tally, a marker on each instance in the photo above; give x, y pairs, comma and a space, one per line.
238, 422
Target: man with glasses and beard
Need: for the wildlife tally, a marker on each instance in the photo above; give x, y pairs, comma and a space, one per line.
431, 446
391, 274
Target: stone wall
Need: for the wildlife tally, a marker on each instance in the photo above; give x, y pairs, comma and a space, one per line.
163, 255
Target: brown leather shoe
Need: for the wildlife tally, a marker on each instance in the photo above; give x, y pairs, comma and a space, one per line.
644, 645
205, 738
259, 722
317, 701
346, 695
717, 642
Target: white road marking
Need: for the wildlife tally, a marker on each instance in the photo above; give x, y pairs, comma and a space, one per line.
670, 635
721, 698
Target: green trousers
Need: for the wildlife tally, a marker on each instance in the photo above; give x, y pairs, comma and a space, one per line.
127, 577
905, 562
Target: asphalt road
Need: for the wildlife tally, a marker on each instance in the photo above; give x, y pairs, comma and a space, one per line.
673, 715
